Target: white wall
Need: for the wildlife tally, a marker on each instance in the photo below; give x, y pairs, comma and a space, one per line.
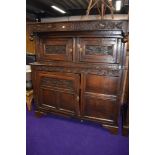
90, 17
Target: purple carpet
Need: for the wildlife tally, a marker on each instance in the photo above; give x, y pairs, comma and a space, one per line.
51, 135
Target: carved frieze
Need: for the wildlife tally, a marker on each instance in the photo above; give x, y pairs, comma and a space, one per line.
55, 82
99, 71
99, 25
46, 27
79, 26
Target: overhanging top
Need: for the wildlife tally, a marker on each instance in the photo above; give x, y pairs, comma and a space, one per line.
80, 26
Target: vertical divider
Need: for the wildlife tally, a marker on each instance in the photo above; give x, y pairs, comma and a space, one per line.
82, 92
74, 50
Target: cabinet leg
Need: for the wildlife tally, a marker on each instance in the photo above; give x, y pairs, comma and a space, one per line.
39, 114
125, 131
112, 129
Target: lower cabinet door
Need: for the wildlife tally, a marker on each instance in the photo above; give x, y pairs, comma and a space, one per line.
99, 98
58, 91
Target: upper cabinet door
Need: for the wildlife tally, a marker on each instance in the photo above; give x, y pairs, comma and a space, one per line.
53, 48
98, 50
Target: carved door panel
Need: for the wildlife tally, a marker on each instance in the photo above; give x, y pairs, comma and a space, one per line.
59, 91
98, 50
99, 97
55, 48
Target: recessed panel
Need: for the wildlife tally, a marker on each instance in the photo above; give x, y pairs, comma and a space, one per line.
101, 84
99, 50
99, 108
55, 49
66, 101
48, 97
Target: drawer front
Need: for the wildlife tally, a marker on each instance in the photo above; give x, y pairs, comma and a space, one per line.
99, 50
58, 91
59, 49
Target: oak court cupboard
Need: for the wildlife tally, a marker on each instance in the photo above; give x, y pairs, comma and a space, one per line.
79, 69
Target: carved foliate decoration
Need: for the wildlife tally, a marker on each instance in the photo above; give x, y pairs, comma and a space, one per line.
98, 50
80, 26
52, 27
55, 49
99, 25
98, 71
55, 82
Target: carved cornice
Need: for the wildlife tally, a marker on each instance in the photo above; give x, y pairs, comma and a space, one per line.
80, 26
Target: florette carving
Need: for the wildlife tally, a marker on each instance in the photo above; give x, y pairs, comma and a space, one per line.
79, 26
55, 82
52, 27
99, 50
99, 71
55, 49
99, 25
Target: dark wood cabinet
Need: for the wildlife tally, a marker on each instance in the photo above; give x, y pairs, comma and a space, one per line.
79, 70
